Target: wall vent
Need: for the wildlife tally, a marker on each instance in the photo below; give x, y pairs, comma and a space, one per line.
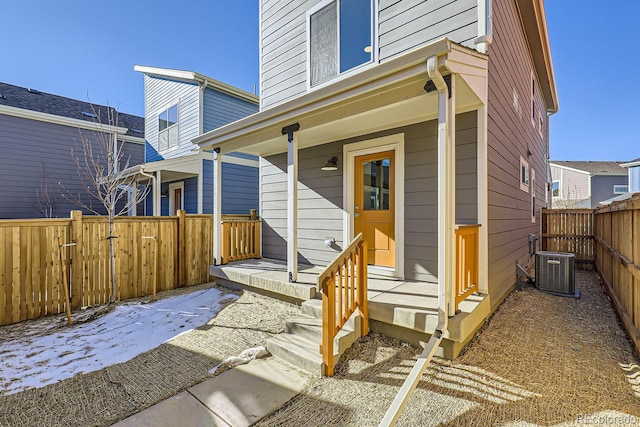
555, 272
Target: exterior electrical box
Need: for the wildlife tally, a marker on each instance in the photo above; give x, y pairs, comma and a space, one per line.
555, 272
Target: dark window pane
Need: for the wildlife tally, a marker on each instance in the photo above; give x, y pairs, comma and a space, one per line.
355, 33
376, 185
162, 121
323, 44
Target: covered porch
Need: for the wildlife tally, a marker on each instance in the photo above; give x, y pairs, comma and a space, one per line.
404, 309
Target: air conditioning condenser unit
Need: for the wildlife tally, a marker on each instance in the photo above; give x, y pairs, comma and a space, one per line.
555, 273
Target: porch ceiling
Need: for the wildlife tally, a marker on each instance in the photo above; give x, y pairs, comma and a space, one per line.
392, 95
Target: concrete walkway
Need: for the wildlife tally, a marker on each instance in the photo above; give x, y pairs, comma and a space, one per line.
239, 397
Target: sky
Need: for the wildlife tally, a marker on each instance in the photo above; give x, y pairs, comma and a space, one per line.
86, 50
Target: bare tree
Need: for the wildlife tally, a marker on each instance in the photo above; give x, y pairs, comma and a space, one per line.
47, 197
102, 168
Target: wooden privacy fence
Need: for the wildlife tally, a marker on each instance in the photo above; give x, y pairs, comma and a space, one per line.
467, 253
570, 230
151, 254
617, 254
344, 290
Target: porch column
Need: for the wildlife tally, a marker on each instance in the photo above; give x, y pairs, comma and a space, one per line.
157, 194
292, 200
217, 207
446, 190
200, 186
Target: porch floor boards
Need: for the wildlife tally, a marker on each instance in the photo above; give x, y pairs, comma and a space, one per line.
406, 304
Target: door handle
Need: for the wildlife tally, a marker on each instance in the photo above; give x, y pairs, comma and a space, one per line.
356, 207
356, 214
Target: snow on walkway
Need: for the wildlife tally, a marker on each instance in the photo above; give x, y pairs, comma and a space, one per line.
48, 355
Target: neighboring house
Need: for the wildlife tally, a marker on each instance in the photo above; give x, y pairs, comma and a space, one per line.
584, 184
633, 168
38, 132
407, 118
179, 106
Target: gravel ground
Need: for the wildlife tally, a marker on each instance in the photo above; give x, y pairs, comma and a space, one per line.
118, 391
540, 360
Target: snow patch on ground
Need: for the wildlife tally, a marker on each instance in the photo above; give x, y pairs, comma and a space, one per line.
50, 355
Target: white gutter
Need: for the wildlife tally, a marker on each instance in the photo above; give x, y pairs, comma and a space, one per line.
153, 187
485, 27
446, 254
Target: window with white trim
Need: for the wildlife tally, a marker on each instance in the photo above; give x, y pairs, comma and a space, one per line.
555, 189
340, 38
168, 128
533, 196
524, 174
620, 189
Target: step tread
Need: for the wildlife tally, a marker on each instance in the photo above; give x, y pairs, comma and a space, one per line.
298, 344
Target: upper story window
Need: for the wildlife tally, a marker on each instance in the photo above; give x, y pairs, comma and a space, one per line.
620, 189
168, 128
340, 38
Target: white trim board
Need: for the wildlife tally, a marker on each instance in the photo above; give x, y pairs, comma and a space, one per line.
350, 152
174, 186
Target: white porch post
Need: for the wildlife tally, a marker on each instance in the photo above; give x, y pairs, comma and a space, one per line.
217, 207
200, 186
450, 214
157, 193
292, 200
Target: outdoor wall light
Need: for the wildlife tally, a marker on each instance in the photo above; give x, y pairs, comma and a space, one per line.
332, 164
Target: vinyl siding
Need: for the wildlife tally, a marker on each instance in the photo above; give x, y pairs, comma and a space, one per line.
403, 25
574, 188
320, 197
27, 146
602, 187
160, 94
634, 179
510, 134
220, 109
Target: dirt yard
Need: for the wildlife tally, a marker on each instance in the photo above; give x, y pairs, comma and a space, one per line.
541, 360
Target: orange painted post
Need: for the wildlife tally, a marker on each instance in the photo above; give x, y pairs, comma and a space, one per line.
363, 289
328, 323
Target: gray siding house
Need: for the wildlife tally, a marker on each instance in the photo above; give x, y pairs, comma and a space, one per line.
585, 184
179, 106
401, 120
38, 132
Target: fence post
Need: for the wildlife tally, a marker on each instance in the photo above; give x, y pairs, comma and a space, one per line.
77, 260
182, 248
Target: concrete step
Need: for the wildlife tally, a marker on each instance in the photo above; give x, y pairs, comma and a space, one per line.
312, 307
311, 328
299, 351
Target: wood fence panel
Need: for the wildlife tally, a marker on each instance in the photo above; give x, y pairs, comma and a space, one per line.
570, 230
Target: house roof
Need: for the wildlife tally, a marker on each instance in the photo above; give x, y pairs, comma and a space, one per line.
192, 76
593, 167
42, 102
535, 25
632, 163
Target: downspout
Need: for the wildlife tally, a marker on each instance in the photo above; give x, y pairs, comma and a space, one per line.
153, 186
445, 227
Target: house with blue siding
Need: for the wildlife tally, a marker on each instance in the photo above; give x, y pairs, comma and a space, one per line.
634, 175
40, 140
179, 106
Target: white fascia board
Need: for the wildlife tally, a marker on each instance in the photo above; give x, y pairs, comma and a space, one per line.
340, 90
193, 76
64, 121
569, 168
630, 164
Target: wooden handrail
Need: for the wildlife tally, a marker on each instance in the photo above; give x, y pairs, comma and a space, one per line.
343, 285
467, 251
